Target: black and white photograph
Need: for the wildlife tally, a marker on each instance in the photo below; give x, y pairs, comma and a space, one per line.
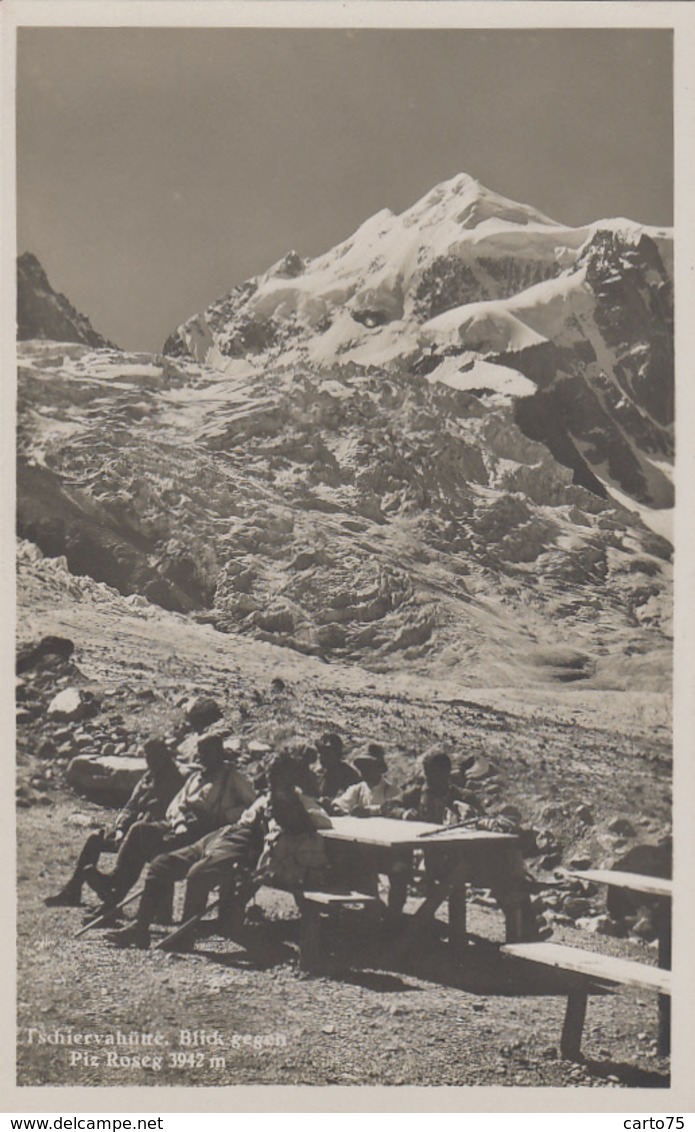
344, 510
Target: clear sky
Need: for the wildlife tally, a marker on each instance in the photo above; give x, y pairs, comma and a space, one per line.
159, 167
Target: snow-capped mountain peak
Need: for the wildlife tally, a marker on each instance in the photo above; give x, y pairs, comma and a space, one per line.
466, 274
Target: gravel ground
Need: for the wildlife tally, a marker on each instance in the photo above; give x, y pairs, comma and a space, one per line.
421, 1021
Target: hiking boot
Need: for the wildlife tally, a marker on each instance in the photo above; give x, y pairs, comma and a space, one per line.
135, 935
100, 884
66, 898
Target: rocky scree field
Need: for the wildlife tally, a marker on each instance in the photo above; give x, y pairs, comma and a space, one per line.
568, 758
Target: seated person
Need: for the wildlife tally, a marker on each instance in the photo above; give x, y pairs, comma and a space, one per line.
274, 841
334, 775
288, 818
213, 796
305, 756
149, 801
370, 797
435, 798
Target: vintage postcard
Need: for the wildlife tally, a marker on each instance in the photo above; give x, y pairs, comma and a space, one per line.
345, 413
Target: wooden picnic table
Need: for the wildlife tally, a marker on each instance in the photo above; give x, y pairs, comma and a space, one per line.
465, 854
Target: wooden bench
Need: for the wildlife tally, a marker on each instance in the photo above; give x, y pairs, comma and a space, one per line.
313, 905
594, 970
657, 892
635, 882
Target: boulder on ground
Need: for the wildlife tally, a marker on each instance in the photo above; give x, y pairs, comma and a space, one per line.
106, 778
600, 925
576, 906
649, 859
579, 863
475, 768
187, 749
258, 747
550, 812
28, 656
72, 704
547, 841
621, 827
583, 812
201, 712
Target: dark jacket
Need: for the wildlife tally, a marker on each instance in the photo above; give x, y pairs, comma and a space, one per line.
151, 797
421, 804
335, 780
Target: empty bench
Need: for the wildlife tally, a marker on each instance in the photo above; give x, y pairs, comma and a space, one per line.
595, 973
314, 906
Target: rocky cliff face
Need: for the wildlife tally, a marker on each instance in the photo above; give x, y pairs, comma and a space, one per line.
444, 443
44, 313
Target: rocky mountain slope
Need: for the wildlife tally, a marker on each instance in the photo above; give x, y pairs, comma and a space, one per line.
45, 313
445, 443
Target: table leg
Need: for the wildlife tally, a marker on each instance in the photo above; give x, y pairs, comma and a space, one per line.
503, 871
454, 880
458, 934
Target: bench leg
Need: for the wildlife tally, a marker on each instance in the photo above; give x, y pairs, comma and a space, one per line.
513, 921
664, 1035
663, 923
573, 1026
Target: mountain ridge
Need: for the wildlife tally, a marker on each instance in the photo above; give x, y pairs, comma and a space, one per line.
43, 312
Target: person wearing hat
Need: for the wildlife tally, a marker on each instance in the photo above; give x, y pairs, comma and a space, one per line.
273, 842
378, 752
372, 795
212, 796
287, 819
435, 798
148, 802
334, 775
